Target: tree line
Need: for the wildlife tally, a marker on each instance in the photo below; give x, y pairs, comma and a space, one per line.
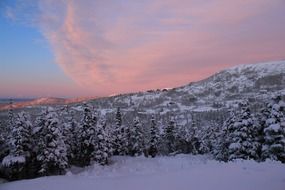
55, 140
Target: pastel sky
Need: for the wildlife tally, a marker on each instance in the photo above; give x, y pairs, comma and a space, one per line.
68, 48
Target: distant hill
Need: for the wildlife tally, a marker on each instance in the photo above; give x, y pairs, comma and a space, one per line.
255, 82
21, 103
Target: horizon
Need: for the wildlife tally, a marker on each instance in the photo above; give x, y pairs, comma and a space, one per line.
168, 88
96, 49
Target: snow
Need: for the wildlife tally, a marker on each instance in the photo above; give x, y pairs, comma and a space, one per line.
263, 68
9, 160
179, 172
273, 127
235, 146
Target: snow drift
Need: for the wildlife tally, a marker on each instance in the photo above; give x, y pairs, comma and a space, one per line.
179, 172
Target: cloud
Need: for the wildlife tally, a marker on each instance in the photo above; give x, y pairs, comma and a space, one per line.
118, 46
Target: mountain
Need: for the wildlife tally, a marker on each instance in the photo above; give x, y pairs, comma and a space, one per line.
255, 82
42, 101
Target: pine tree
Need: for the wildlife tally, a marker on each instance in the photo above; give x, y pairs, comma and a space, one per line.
10, 123
170, 136
242, 135
154, 138
184, 144
4, 148
102, 150
120, 143
220, 149
3, 145
10, 116
118, 117
86, 136
20, 148
136, 138
205, 145
108, 133
274, 131
52, 152
70, 129
195, 143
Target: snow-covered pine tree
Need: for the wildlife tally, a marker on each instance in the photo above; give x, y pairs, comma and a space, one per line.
136, 141
220, 148
194, 135
119, 135
118, 117
52, 152
40, 122
86, 136
4, 147
205, 140
274, 130
37, 135
108, 133
154, 138
102, 149
214, 130
70, 129
184, 139
19, 157
242, 135
11, 122
11, 118
170, 136
3, 152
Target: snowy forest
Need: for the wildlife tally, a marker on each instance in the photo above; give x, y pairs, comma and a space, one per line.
49, 142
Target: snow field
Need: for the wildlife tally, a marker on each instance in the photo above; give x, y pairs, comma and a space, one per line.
183, 172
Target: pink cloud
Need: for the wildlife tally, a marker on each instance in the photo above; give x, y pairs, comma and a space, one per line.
114, 47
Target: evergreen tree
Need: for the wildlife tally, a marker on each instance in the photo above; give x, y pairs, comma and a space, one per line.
136, 141
194, 136
108, 133
4, 148
70, 129
118, 117
274, 131
154, 138
52, 153
184, 144
20, 148
170, 136
38, 133
86, 136
102, 150
242, 135
205, 145
10, 123
11, 118
220, 149
120, 143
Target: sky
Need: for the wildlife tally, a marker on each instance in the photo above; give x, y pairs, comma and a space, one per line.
71, 48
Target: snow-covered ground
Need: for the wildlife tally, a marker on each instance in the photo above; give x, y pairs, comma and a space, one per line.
179, 172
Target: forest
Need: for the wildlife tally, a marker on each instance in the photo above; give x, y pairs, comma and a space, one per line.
51, 141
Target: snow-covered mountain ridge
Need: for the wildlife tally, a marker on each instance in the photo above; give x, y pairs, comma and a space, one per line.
241, 80
255, 82
250, 81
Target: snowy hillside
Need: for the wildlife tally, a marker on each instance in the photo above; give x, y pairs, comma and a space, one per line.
182, 172
255, 82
